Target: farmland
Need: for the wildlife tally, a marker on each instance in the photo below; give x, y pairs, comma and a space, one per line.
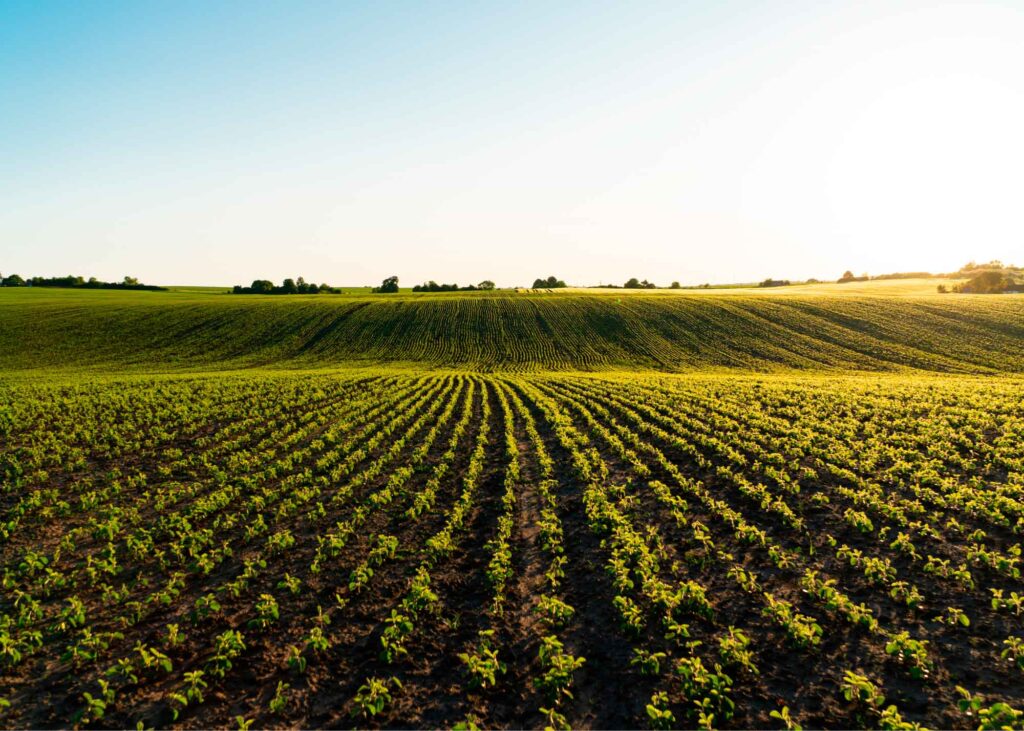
838, 330
660, 511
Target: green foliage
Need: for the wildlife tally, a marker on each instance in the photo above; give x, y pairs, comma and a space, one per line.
993, 717
551, 282
1013, 650
558, 668
483, 664
648, 662
266, 611
554, 611
911, 652
658, 713
783, 715
388, 286
374, 696
707, 691
861, 690
280, 700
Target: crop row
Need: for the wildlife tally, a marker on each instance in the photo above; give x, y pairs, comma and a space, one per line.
375, 548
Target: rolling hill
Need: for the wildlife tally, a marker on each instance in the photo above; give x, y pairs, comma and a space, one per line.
831, 329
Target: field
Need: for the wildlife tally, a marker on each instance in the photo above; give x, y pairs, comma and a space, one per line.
837, 331
516, 511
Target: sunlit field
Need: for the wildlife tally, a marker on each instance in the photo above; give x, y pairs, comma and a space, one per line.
111, 331
425, 511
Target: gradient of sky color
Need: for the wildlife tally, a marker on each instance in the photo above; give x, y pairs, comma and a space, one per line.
214, 143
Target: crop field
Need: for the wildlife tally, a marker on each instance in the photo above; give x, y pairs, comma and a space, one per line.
145, 332
386, 547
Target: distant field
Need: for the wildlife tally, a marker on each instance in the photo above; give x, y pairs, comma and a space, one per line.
108, 331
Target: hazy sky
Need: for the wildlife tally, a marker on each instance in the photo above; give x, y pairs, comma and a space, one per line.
214, 143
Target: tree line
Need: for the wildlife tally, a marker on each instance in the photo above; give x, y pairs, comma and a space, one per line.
432, 286
631, 283
74, 282
288, 286
549, 283
989, 281
390, 286
634, 283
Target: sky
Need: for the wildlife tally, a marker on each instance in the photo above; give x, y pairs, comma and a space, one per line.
216, 143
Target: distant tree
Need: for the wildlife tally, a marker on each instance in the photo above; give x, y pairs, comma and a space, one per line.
551, 282
288, 286
486, 285
433, 286
847, 276
942, 289
388, 286
13, 280
675, 285
994, 264
129, 281
632, 283
985, 282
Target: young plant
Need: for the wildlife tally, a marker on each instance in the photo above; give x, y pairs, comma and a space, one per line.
373, 696
658, 713
291, 583
649, 662
1013, 650
483, 666
912, 653
707, 690
296, 660
954, 616
553, 611
558, 666
267, 612
787, 719
733, 649
859, 689
280, 700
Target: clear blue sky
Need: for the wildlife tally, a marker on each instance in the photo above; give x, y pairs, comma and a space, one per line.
214, 143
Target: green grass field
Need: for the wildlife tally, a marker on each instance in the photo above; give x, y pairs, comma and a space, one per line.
597, 509
883, 327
